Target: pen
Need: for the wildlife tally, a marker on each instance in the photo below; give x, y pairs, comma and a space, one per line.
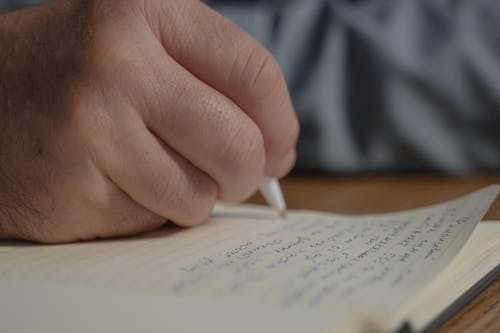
271, 191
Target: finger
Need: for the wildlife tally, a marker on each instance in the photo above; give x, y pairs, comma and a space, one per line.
206, 128
156, 177
225, 57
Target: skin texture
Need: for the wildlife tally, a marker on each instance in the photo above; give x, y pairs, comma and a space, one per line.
117, 115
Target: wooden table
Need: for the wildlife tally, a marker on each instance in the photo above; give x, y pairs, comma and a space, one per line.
384, 193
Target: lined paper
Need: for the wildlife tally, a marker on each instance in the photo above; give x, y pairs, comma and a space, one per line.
341, 265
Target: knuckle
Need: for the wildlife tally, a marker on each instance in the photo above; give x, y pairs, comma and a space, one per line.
107, 57
262, 75
115, 62
243, 154
88, 127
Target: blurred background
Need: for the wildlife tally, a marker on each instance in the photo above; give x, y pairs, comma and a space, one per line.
386, 85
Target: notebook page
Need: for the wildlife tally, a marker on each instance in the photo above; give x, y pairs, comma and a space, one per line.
347, 267
479, 256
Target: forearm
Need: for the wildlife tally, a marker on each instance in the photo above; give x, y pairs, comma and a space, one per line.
40, 64
20, 109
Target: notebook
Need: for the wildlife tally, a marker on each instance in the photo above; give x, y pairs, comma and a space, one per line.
248, 270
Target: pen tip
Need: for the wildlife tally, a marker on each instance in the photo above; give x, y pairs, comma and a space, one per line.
282, 213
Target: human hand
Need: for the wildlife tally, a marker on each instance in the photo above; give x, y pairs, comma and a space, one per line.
117, 115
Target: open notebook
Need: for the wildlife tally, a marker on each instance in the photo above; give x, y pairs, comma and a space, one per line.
246, 270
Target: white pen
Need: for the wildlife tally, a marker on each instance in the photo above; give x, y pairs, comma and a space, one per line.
271, 191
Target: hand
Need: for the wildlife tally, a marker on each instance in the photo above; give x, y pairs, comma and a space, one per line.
116, 115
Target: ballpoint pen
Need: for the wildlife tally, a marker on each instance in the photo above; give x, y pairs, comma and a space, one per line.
271, 191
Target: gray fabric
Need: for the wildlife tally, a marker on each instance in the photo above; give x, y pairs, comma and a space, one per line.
388, 84
6, 5
385, 84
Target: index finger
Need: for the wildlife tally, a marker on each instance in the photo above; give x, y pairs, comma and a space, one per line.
224, 56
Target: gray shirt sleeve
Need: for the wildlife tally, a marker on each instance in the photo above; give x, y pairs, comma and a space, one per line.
386, 85
7, 5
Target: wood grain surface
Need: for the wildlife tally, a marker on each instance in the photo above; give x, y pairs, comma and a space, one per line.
385, 193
